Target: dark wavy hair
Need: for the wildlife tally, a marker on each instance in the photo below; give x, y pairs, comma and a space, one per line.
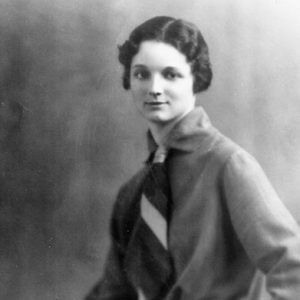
182, 35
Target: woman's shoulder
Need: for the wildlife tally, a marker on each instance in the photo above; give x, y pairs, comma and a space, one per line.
234, 160
134, 182
227, 152
129, 192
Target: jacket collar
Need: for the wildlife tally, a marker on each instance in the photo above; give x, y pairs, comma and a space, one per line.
192, 132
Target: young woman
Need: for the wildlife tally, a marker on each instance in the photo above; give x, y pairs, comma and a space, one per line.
224, 235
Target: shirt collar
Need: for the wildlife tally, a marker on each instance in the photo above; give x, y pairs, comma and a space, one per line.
192, 132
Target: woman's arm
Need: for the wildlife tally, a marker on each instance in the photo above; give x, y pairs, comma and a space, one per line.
265, 227
114, 284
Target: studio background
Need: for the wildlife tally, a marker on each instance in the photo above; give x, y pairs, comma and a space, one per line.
70, 136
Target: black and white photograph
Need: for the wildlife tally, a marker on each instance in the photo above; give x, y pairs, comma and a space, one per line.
149, 150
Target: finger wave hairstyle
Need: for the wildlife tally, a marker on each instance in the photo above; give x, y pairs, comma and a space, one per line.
182, 35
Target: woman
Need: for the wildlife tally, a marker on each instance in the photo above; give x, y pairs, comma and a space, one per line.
223, 233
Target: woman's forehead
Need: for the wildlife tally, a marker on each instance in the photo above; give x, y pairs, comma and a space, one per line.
159, 54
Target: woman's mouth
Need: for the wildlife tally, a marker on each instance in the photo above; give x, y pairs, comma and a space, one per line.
155, 103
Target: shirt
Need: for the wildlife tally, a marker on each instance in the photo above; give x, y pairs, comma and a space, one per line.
230, 236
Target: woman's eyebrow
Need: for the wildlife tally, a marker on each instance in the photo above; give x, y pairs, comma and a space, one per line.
171, 68
139, 66
167, 68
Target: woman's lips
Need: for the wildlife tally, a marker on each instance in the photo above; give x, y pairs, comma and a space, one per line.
155, 103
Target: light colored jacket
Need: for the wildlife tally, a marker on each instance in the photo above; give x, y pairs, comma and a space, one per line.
230, 236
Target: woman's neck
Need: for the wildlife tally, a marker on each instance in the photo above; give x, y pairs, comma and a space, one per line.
160, 132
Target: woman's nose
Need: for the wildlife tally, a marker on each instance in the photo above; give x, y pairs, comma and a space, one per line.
156, 87
154, 94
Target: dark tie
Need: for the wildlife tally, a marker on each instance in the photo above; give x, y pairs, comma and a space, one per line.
151, 261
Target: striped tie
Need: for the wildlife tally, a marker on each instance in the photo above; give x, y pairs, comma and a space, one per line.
151, 260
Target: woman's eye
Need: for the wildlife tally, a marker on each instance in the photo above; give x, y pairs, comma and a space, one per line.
141, 75
171, 75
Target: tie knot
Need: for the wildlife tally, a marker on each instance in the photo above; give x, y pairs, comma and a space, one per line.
160, 155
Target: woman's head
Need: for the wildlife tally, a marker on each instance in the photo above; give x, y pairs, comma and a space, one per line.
180, 34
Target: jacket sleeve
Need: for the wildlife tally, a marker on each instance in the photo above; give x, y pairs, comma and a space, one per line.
114, 284
268, 232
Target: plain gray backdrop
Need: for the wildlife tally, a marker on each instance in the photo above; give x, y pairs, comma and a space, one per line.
70, 135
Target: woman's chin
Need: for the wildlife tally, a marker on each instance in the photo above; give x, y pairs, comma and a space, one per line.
156, 118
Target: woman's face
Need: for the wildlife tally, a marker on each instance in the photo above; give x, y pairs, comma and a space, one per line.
161, 83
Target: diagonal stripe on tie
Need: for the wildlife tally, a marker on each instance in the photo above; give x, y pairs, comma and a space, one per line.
141, 295
154, 220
